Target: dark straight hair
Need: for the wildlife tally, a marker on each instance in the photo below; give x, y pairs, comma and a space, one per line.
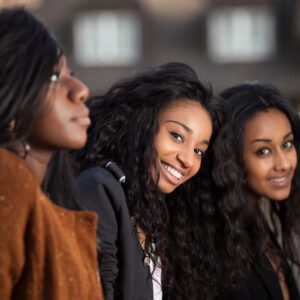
28, 55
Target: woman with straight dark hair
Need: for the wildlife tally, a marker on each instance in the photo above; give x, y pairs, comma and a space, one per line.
155, 232
256, 170
47, 252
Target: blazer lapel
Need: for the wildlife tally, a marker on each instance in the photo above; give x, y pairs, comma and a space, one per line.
269, 279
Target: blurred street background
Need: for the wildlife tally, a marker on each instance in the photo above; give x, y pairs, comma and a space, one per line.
226, 41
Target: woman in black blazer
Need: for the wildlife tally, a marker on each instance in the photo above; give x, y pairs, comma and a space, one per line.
121, 260
257, 174
156, 127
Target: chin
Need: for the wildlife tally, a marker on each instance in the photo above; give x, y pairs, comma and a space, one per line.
77, 144
279, 197
166, 189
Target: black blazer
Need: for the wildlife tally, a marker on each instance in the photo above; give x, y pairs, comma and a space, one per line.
262, 284
123, 273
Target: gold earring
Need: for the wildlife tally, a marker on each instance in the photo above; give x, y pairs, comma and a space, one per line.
11, 128
12, 125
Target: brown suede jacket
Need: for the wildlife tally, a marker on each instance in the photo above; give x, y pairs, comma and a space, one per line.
46, 251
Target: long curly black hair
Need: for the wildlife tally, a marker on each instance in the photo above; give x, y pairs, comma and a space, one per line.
248, 236
124, 125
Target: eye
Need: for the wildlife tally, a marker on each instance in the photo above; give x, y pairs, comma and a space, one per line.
288, 145
177, 136
263, 151
199, 152
54, 77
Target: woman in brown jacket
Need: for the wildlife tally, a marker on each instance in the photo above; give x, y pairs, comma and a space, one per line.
46, 251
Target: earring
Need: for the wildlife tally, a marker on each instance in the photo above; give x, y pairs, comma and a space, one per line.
26, 149
12, 125
11, 128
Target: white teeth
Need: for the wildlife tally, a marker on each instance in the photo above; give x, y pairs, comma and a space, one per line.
281, 179
172, 171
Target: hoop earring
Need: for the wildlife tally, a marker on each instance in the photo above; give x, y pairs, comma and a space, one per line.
26, 149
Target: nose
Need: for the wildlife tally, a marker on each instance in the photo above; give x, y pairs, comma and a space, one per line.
79, 92
186, 157
281, 161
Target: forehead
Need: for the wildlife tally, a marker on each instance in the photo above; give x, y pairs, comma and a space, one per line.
267, 124
182, 108
190, 113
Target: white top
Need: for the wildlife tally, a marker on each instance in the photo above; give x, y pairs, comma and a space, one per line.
156, 280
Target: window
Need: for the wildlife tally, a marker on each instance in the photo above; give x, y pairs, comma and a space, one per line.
241, 34
107, 38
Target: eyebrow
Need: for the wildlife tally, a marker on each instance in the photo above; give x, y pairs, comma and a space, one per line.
186, 128
269, 140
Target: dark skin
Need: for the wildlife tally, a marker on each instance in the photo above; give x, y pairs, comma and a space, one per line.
62, 125
38, 162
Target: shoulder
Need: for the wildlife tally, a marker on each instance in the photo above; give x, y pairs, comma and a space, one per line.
18, 185
13, 167
98, 184
19, 196
98, 176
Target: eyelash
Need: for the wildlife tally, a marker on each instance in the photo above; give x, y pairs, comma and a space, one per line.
54, 78
291, 144
201, 153
261, 152
180, 139
287, 145
177, 137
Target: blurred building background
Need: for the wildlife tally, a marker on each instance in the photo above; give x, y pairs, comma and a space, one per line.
226, 41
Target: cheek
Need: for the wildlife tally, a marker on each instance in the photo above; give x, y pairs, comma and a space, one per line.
56, 115
197, 166
256, 174
154, 174
57, 124
253, 182
53, 129
195, 169
157, 142
163, 145
294, 159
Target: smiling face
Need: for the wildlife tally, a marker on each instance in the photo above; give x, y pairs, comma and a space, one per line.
64, 122
270, 156
185, 128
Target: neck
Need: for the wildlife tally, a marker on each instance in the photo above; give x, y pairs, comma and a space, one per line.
37, 160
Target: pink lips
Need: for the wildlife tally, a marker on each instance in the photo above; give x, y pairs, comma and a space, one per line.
85, 121
83, 118
173, 180
280, 182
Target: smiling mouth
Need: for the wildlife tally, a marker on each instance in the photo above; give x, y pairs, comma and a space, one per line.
173, 172
282, 181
